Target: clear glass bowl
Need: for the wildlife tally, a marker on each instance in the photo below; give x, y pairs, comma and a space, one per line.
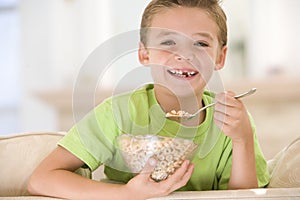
169, 153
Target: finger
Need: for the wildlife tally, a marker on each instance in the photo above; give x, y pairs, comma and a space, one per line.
171, 183
220, 109
226, 128
183, 178
188, 173
220, 124
226, 98
148, 168
219, 116
226, 110
220, 97
226, 119
179, 172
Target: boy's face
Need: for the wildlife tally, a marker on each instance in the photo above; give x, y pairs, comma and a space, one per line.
182, 49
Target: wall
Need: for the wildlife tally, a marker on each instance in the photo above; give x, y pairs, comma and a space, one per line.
9, 67
273, 38
57, 38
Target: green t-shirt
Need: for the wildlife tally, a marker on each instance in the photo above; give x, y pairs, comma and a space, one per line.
93, 139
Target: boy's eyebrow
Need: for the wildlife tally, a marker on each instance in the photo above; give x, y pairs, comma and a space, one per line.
202, 34
207, 35
166, 33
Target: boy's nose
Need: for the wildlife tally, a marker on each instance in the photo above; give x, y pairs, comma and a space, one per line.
184, 57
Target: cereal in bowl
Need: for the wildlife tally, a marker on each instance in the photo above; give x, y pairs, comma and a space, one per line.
168, 152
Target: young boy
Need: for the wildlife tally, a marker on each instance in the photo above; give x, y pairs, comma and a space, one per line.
183, 41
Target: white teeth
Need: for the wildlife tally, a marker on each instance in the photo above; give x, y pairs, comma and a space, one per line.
191, 73
181, 73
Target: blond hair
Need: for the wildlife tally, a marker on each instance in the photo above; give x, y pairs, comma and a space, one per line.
212, 7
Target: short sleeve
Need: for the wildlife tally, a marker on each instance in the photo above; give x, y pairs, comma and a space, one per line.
73, 144
92, 138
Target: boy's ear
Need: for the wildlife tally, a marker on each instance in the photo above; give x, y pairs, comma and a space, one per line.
143, 54
221, 58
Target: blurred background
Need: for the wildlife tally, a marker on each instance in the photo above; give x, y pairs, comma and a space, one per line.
43, 45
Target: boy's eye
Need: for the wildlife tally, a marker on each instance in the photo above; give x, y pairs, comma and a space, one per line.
201, 44
168, 42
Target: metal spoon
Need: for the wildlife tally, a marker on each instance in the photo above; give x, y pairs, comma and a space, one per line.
188, 116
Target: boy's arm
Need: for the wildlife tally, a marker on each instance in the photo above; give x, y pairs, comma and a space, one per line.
232, 117
54, 177
243, 170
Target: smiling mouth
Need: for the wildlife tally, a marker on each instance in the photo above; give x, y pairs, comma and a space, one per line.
182, 73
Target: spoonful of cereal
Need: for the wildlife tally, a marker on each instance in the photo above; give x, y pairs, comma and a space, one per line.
187, 116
